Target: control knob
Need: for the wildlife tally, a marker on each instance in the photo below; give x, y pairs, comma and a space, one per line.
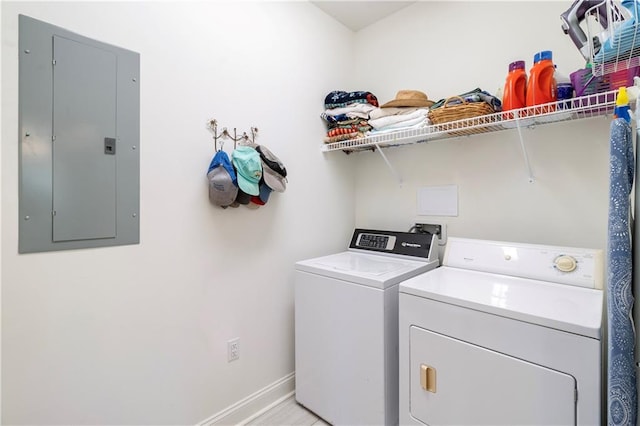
565, 263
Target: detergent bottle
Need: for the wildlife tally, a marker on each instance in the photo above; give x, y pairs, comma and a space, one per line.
541, 88
514, 94
622, 105
564, 90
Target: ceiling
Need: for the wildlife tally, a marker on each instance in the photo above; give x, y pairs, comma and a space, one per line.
356, 15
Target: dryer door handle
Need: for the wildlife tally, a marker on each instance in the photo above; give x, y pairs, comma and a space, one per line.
428, 378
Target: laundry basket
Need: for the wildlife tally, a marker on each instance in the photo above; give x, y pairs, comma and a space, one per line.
585, 83
464, 109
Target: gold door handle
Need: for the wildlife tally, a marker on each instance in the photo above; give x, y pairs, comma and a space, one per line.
428, 378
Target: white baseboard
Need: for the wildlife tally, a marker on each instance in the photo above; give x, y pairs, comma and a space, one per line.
255, 404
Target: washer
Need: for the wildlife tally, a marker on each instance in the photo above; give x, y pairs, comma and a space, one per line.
503, 334
346, 325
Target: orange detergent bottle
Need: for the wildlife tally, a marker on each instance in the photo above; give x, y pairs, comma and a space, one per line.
514, 94
541, 88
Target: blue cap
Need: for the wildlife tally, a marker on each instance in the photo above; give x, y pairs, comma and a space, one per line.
541, 56
265, 191
222, 159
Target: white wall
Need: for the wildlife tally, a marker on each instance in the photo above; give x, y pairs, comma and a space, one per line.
143, 340
447, 48
137, 334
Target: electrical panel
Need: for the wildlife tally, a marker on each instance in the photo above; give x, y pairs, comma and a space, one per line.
79, 124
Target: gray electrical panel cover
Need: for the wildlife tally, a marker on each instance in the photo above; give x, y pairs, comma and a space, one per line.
79, 123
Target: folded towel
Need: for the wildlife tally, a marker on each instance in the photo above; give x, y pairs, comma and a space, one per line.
351, 110
391, 120
340, 119
339, 98
384, 112
332, 139
360, 127
419, 125
403, 124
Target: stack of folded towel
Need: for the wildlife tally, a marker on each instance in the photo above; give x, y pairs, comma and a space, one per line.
347, 114
407, 111
352, 115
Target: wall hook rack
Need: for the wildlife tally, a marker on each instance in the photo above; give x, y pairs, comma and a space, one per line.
212, 125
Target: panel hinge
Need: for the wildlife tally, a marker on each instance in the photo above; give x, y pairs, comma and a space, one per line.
53, 138
53, 212
53, 62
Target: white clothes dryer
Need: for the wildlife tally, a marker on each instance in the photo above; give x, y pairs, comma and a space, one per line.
503, 334
346, 325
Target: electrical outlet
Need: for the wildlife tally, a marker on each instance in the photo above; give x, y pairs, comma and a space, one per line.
233, 349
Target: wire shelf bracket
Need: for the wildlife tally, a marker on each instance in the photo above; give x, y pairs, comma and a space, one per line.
393, 169
524, 149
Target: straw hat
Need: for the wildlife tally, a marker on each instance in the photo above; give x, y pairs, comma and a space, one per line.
409, 98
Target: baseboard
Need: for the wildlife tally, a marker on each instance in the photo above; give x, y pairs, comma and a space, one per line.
253, 405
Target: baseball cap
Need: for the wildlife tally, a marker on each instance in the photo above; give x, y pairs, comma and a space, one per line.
242, 197
273, 171
262, 199
222, 159
222, 188
256, 200
248, 166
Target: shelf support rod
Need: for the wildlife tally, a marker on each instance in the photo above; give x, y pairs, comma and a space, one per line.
523, 147
386, 160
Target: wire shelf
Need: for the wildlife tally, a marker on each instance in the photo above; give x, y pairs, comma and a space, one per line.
614, 45
599, 104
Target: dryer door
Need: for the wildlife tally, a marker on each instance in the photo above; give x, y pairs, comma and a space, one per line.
454, 382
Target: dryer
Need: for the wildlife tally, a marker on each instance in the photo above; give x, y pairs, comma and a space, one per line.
503, 334
346, 325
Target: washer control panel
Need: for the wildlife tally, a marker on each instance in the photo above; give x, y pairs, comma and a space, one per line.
565, 265
422, 245
376, 241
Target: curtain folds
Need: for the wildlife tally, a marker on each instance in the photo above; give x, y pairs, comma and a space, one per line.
622, 391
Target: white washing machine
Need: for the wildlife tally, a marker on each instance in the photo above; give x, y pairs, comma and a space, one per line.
346, 325
503, 334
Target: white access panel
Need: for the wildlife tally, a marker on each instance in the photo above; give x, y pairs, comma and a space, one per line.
469, 385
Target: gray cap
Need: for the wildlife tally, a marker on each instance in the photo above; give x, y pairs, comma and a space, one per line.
222, 191
273, 171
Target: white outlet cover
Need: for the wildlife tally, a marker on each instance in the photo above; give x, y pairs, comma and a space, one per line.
233, 349
438, 200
